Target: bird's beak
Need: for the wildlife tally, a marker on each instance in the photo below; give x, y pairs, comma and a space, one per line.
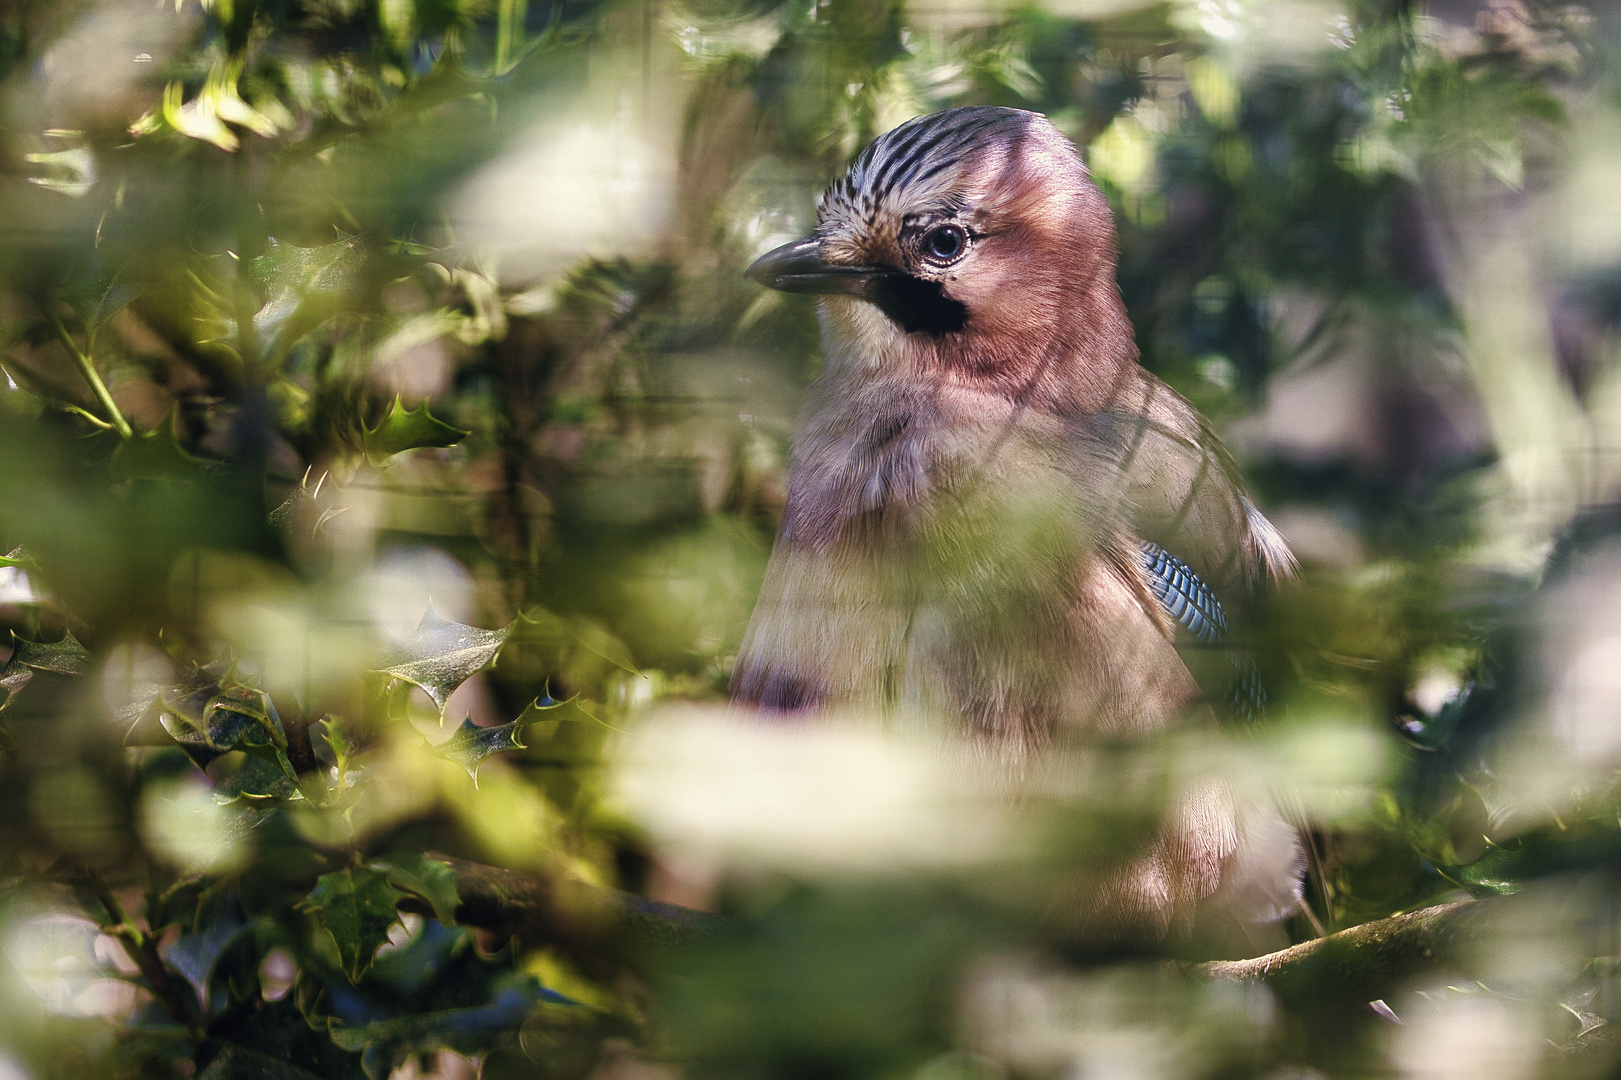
799, 267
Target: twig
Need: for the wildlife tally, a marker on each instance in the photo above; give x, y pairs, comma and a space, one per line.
142, 949
91, 376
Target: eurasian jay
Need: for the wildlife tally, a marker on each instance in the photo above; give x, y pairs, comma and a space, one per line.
994, 512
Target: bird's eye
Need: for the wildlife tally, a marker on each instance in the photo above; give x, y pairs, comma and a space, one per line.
945, 243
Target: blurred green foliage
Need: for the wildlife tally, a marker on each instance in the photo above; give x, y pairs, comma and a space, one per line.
388, 430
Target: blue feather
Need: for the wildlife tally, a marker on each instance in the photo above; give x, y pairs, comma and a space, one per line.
1183, 595
1188, 600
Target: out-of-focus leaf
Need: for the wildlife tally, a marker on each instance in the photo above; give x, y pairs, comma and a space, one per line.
408, 429
422, 875
155, 455
472, 744
304, 287
445, 654
102, 293
274, 1041
20, 559
357, 907
240, 1063
434, 992
195, 955
388, 1043
71, 172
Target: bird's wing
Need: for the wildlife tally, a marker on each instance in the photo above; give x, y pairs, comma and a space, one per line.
1194, 606
1178, 487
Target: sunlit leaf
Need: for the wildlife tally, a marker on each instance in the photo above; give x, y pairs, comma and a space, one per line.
407, 429
357, 907
445, 654
65, 657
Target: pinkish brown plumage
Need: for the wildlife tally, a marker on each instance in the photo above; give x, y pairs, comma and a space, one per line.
973, 475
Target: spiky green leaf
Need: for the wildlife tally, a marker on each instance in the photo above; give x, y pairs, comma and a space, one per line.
357, 907
472, 744
196, 954
65, 657
424, 876
155, 455
408, 429
444, 655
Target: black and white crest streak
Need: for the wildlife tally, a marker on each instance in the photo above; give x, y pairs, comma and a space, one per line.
909, 160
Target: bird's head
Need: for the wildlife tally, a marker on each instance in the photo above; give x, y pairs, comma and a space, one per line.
977, 236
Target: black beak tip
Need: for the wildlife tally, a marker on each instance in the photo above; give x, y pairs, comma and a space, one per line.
760, 271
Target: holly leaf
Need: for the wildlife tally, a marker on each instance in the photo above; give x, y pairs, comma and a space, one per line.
20, 559
155, 455
444, 655
424, 876
65, 657
206, 742
13, 677
304, 287
404, 429
435, 992
385, 1044
472, 744
272, 1041
335, 744
265, 773
357, 907
223, 722
196, 954
536, 710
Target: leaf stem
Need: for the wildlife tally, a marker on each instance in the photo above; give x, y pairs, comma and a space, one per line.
91, 376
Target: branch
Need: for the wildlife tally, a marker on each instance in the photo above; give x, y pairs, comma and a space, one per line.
142, 949
1363, 963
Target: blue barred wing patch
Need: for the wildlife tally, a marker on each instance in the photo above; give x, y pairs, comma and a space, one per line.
1183, 595
1187, 599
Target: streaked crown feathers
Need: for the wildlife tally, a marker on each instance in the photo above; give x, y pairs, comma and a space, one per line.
918, 160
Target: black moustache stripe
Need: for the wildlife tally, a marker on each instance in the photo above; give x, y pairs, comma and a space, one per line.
918, 306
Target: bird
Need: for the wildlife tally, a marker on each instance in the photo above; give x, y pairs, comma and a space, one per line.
994, 512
